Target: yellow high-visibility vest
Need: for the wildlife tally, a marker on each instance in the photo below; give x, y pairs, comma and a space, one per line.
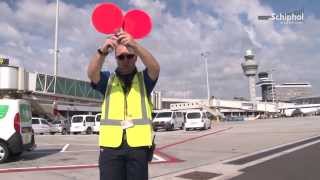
118, 106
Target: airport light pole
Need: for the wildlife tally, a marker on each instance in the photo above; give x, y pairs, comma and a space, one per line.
204, 55
56, 50
56, 54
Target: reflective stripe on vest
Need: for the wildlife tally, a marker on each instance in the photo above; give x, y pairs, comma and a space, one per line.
114, 122
110, 128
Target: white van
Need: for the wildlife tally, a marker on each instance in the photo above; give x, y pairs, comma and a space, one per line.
96, 126
82, 123
168, 120
197, 120
16, 134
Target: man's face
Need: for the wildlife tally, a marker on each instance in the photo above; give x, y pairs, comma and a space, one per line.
126, 59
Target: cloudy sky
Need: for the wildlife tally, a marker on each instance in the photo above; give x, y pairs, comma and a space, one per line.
182, 30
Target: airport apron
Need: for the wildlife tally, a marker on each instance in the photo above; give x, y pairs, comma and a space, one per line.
133, 106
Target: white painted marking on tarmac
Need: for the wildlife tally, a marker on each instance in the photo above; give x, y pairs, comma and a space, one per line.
268, 149
237, 168
267, 158
158, 158
65, 147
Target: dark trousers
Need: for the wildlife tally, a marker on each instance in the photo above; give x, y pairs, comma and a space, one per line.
123, 163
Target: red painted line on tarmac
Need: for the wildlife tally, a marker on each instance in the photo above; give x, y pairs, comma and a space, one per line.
191, 139
47, 168
168, 159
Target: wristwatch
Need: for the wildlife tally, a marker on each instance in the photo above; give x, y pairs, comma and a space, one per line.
102, 53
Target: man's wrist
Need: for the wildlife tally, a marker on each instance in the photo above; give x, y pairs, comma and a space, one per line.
101, 52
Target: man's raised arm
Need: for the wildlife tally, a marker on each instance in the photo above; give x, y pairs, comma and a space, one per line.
97, 60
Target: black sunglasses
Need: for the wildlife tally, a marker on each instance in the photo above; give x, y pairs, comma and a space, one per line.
122, 57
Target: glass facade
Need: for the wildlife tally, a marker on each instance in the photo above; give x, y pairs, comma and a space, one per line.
287, 92
65, 86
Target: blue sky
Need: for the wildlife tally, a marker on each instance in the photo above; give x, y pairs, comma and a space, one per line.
181, 31
311, 7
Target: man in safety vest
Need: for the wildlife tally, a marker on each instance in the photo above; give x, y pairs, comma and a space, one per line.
125, 135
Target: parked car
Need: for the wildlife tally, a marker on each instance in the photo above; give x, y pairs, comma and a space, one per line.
16, 134
41, 126
96, 126
82, 124
53, 129
62, 126
168, 120
197, 120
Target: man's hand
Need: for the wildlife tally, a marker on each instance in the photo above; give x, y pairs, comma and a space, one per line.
109, 44
126, 39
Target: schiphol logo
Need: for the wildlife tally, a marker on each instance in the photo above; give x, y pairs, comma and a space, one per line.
293, 17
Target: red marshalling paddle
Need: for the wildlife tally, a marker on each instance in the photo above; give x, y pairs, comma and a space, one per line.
137, 23
107, 18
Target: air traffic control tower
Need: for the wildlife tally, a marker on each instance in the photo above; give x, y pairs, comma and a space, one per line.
250, 68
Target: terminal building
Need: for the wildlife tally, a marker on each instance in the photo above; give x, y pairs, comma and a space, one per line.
286, 92
267, 86
307, 100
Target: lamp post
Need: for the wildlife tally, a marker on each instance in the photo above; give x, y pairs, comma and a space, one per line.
204, 55
56, 50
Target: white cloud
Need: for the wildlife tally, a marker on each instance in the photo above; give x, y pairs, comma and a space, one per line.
8, 32
154, 8
252, 36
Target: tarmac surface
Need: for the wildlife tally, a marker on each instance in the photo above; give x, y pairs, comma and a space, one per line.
302, 164
262, 149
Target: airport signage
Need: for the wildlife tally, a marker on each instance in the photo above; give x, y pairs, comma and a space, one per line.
292, 17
